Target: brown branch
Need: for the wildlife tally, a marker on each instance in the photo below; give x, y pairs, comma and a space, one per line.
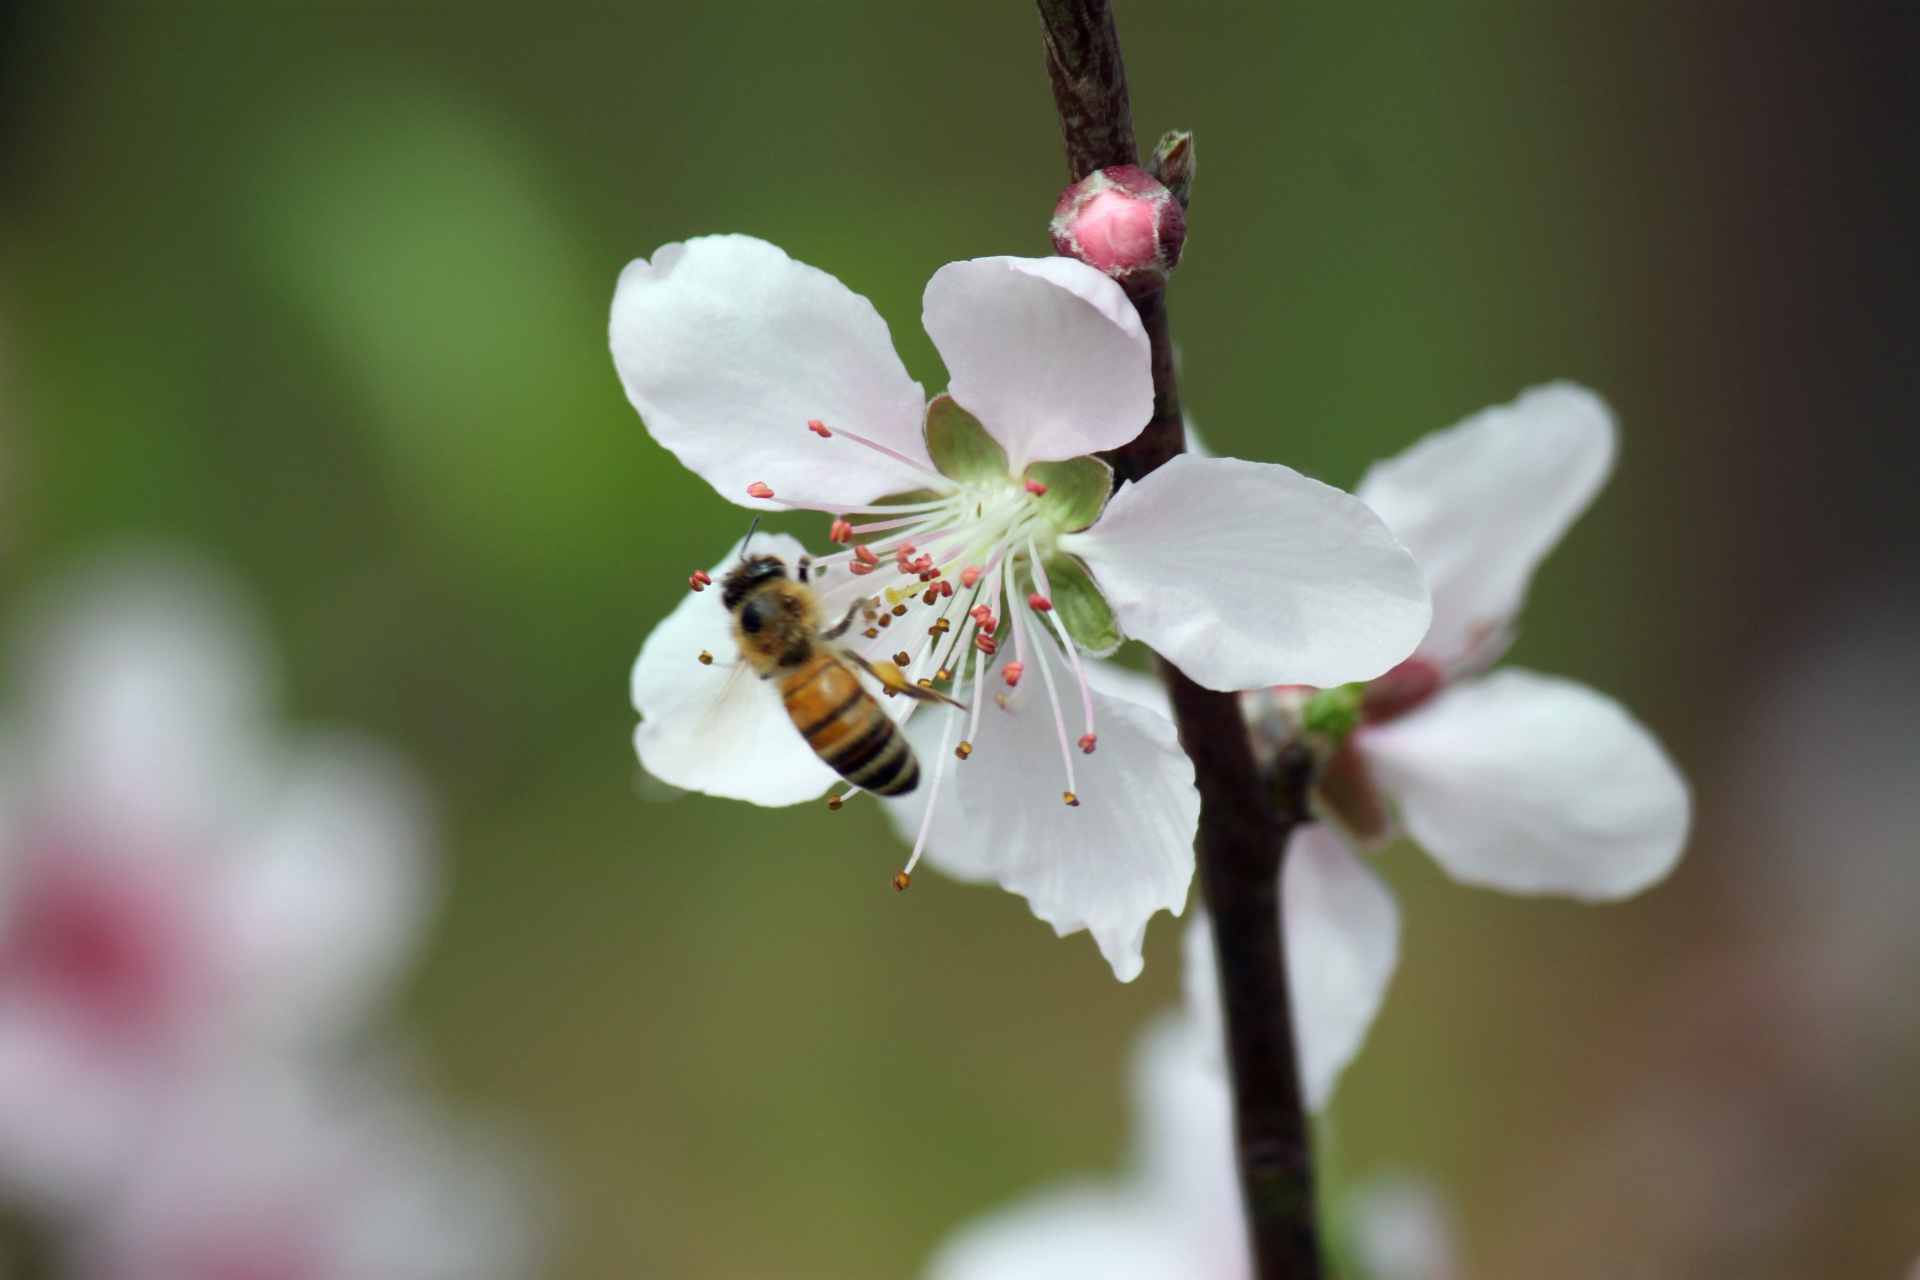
1245, 821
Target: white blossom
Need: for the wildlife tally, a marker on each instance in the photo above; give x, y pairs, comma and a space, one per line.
1000, 559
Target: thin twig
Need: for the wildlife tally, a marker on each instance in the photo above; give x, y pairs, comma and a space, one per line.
1245, 821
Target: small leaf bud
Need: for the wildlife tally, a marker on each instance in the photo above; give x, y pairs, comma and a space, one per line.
1123, 222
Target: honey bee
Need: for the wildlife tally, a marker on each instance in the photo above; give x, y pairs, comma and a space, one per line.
777, 624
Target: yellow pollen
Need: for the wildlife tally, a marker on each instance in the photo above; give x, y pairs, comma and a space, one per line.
943, 674
706, 659
834, 803
899, 611
886, 619
1071, 798
871, 633
901, 659
964, 750
900, 881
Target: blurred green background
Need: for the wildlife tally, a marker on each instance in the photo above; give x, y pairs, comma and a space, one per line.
322, 288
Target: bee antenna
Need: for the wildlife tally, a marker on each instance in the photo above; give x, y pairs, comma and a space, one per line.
748, 539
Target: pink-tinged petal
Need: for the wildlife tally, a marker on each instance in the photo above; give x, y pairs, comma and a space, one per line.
1342, 931
323, 903
1247, 574
1534, 784
1481, 503
1343, 944
1106, 865
728, 348
719, 728
1046, 352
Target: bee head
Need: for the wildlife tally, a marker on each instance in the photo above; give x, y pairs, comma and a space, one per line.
743, 578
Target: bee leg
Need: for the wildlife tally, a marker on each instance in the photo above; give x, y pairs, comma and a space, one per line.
806, 562
840, 628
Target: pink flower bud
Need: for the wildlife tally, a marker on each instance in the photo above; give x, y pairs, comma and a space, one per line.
1124, 223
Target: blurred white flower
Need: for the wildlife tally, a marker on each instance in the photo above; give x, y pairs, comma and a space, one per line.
278, 1171
178, 886
1175, 1213
779, 386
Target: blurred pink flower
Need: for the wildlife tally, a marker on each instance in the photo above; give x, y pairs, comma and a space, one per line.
178, 887
781, 388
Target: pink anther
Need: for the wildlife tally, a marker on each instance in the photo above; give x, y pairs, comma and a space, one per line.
1012, 673
699, 580
1040, 602
866, 557
759, 489
1086, 743
970, 575
840, 531
924, 565
859, 569
985, 643
818, 428
1037, 489
946, 588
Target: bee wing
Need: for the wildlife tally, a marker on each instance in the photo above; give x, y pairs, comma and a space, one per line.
895, 679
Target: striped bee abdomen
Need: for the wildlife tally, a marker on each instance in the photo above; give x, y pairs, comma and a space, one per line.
847, 727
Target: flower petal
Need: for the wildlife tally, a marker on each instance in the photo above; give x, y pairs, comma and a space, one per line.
1534, 784
1046, 352
1247, 574
728, 347
1079, 1231
719, 729
1342, 930
1481, 503
1343, 944
1107, 865
325, 901
1175, 1214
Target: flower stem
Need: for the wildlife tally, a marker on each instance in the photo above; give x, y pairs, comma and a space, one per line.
1245, 820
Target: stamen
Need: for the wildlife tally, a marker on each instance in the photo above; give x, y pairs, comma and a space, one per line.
866, 557
834, 803
1066, 643
1053, 700
859, 569
946, 588
944, 673
970, 575
758, 489
1040, 602
901, 659
939, 628
818, 428
1012, 673
985, 643
841, 531
699, 580
1071, 798
1086, 743
706, 659
877, 447
900, 611
1037, 489
964, 750
901, 881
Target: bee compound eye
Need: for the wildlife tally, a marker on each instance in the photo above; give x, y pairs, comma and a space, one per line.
752, 617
